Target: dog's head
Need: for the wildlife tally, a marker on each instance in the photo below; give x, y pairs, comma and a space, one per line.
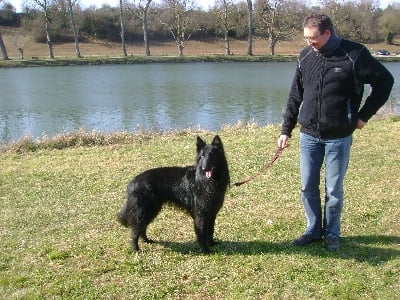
210, 157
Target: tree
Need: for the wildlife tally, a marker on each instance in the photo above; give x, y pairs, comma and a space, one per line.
3, 48
389, 23
121, 17
366, 14
19, 40
8, 14
178, 23
356, 21
250, 24
71, 4
278, 21
2, 45
45, 5
224, 18
102, 23
142, 13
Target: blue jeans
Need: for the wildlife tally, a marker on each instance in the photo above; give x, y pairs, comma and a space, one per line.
336, 153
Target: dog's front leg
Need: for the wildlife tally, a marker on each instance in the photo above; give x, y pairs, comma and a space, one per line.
210, 229
201, 229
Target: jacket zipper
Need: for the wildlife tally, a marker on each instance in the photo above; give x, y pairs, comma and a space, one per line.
321, 84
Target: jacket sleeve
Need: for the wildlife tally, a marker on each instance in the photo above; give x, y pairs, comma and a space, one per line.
371, 71
293, 104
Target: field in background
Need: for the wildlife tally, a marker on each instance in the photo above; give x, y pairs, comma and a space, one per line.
105, 48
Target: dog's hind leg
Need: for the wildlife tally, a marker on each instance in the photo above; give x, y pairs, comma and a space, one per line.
145, 238
136, 233
135, 239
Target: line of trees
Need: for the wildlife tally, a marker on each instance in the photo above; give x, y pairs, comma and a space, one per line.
53, 21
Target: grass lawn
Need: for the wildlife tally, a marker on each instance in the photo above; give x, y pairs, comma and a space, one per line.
60, 238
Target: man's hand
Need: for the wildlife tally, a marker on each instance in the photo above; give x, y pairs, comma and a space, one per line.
283, 141
360, 124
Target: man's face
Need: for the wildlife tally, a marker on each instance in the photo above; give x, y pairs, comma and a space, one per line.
316, 39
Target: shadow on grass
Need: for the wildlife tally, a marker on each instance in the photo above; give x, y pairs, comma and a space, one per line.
373, 249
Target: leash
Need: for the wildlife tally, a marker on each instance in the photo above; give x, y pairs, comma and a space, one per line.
266, 166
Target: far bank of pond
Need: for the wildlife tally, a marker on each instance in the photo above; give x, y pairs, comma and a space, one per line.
140, 59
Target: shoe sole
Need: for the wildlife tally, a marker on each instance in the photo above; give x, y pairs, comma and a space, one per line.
307, 243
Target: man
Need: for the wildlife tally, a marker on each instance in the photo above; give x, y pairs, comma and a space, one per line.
325, 99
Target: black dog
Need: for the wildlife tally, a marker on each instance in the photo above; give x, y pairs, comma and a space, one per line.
199, 189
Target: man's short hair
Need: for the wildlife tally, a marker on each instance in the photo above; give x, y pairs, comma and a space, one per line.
321, 21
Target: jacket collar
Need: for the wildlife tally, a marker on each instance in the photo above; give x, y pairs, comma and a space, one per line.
332, 44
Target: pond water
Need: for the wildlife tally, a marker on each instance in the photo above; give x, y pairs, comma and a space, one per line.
111, 98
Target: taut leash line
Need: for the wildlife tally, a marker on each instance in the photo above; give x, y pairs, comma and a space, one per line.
266, 166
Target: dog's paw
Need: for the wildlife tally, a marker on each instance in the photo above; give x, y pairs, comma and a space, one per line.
136, 250
213, 243
149, 241
206, 250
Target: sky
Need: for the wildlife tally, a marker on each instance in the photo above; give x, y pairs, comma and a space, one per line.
203, 3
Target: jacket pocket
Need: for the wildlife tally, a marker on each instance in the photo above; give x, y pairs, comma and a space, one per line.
337, 114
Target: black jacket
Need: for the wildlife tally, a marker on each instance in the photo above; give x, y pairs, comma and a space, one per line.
327, 90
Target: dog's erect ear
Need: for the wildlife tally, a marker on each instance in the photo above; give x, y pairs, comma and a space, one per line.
200, 144
217, 142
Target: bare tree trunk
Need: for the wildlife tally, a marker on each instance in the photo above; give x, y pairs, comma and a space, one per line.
73, 25
44, 4
227, 46
121, 15
224, 13
21, 51
250, 25
146, 36
141, 14
272, 43
145, 30
181, 47
226, 29
3, 48
49, 43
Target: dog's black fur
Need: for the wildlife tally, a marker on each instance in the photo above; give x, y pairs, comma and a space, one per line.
199, 189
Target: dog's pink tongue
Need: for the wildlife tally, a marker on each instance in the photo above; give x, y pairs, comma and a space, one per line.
208, 174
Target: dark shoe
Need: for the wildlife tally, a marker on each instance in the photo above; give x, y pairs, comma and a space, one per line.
305, 240
332, 243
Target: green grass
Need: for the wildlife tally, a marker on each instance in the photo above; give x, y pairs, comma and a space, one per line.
60, 239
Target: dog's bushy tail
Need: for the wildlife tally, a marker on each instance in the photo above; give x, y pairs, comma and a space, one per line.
121, 216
